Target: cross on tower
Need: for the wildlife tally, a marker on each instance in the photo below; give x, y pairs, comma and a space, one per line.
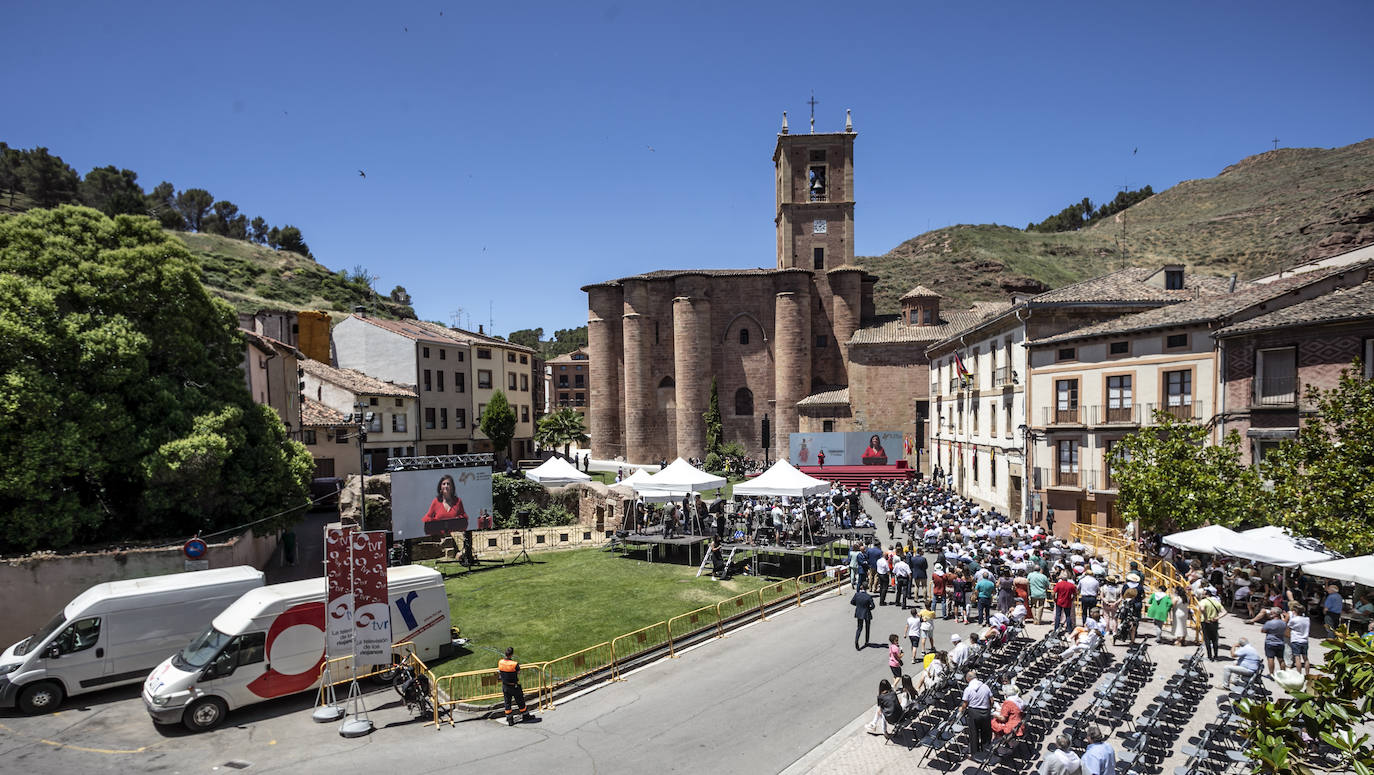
1276, 143
812, 103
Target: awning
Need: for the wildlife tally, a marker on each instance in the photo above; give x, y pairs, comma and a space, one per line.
783, 480
1357, 569
556, 472
1268, 546
1203, 539
681, 476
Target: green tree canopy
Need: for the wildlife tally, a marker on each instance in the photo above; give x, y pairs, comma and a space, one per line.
1169, 478
126, 412
529, 337
713, 425
498, 422
113, 191
1323, 482
194, 204
289, 238
47, 179
562, 428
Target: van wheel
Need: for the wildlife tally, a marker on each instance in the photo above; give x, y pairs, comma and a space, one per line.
204, 714
41, 697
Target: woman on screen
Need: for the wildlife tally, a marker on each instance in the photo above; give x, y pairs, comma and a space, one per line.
875, 455
804, 454
446, 513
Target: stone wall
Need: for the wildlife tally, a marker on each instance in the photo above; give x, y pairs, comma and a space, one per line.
47, 582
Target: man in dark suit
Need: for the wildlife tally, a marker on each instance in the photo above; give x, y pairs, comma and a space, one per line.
863, 616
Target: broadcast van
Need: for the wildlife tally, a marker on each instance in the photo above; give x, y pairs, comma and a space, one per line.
115, 633
270, 643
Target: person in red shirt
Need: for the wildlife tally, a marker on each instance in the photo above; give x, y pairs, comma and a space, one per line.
445, 513
1065, 592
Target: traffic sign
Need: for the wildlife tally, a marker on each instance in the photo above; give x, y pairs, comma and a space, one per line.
195, 549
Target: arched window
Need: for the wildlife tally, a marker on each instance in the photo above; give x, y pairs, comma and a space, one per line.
744, 336
744, 402
666, 382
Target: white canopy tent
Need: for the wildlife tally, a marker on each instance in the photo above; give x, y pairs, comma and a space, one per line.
640, 476
783, 480
680, 477
556, 472
1270, 547
1360, 570
1202, 539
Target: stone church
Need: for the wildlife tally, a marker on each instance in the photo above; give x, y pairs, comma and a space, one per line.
800, 342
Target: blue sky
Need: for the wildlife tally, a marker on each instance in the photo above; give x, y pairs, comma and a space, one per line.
516, 151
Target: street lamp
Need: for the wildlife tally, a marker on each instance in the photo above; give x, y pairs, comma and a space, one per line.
364, 419
1028, 458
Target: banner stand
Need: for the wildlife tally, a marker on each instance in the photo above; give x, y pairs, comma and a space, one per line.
329, 708
359, 724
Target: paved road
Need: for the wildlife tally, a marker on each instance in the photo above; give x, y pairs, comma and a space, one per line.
754, 701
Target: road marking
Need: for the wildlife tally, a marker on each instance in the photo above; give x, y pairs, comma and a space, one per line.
56, 744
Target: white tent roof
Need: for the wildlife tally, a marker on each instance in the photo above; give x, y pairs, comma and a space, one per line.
556, 471
1202, 539
681, 476
1267, 546
783, 479
639, 477
1357, 569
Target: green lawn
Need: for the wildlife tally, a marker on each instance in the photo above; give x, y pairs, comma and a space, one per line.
567, 601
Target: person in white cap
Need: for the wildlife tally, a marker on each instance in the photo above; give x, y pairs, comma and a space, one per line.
958, 653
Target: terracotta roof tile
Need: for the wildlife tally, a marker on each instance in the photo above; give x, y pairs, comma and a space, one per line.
355, 381
1207, 309
1128, 285
891, 329
425, 331
920, 292
316, 414
835, 397
1347, 304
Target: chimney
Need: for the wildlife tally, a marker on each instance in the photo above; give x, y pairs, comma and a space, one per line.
479, 329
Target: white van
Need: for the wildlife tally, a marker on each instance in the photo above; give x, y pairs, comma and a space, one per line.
115, 633
270, 643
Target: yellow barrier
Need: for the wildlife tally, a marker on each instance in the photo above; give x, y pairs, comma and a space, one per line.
341, 671
566, 669
822, 578
688, 623
736, 605
774, 592
1121, 551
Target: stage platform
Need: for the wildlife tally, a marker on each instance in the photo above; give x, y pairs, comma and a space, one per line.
860, 476
652, 540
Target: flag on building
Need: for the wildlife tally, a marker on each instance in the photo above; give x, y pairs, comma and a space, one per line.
961, 370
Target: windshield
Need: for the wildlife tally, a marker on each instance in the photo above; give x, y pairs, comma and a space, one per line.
27, 645
200, 650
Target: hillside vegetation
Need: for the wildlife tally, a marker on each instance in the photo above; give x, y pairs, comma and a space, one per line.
253, 277
1264, 213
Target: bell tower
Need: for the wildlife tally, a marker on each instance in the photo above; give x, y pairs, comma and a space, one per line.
815, 197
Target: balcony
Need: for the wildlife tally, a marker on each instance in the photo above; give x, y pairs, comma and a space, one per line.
1183, 412
1114, 414
1276, 391
1001, 376
574, 402
1052, 416
1065, 478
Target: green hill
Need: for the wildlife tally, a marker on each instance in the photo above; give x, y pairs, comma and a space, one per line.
253, 277
1266, 212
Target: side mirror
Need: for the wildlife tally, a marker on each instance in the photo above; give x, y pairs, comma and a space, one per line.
52, 652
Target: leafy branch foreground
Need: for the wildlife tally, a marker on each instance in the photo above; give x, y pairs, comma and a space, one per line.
1320, 729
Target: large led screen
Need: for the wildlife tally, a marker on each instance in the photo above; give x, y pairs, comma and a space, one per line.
440, 501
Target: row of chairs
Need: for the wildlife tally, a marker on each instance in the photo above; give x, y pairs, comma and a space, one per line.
992, 660
1113, 696
1220, 747
1152, 733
